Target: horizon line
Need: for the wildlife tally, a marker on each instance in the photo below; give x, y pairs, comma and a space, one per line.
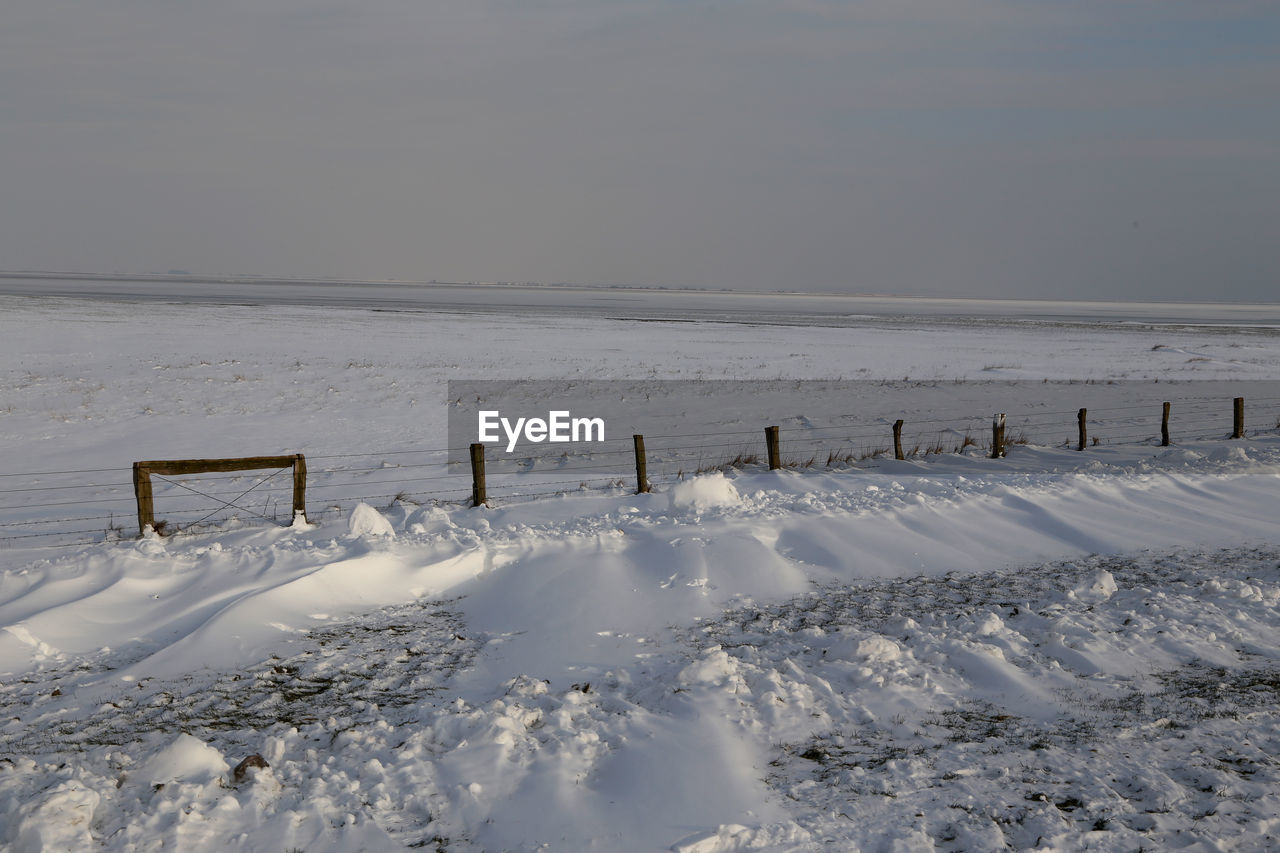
254, 278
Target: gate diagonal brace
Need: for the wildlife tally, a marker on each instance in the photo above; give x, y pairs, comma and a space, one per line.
224, 504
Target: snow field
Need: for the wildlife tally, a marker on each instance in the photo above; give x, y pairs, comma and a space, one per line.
99, 385
1054, 651
619, 704
95, 383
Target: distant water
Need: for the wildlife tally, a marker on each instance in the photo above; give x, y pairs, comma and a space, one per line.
637, 304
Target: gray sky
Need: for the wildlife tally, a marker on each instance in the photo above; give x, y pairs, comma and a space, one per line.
1043, 148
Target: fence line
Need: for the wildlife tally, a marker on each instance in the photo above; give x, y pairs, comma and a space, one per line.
527, 477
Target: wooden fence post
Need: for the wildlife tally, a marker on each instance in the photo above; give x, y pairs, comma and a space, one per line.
1084, 433
997, 436
478, 496
642, 473
897, 439
1164, 427
142, 491
300, 486
1237, 430
771, 441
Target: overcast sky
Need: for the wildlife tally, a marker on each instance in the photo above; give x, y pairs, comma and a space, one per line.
1043, 148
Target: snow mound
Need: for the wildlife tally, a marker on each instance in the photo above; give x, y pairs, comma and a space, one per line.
367, 521
187, 759
878, 649
991, 624
703, 493
1229, 454
1098, 588
715, 668
730, 837
150, 544
58, 821
430, 519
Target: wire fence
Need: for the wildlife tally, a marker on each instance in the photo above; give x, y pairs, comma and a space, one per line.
71, 507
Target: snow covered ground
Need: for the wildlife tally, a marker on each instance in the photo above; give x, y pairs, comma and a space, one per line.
1055, 650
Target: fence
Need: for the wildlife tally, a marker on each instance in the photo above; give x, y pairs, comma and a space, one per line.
81, 506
